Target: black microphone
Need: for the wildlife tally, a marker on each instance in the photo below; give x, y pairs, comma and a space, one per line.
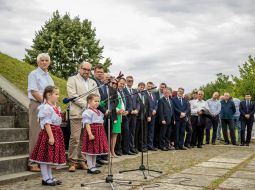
120, 75
67, 100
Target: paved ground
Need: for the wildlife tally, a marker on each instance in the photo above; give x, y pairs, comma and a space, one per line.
213, 167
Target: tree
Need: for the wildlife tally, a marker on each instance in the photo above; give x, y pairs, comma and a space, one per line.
68, 42
246, 82
221, 84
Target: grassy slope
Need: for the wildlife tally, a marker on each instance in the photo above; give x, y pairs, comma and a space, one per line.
17, 72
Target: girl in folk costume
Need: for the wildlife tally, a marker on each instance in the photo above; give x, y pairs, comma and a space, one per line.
50, 148
94, 139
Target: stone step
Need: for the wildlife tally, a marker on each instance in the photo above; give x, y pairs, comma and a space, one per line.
7, 121
13, 164
13, 134
19, 176
13, 148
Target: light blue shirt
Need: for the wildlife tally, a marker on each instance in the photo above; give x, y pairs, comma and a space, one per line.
38, 80
214, 106
89, 117
237, 105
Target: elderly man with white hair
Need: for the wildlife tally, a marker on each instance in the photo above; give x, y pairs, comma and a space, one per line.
78, 85
38, 79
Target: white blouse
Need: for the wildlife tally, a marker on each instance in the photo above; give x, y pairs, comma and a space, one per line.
47, 115
89, 117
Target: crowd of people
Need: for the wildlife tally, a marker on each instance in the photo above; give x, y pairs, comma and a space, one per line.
141, 119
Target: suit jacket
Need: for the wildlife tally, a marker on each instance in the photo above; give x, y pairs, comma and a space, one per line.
127, 102
243, 110
165, 110
134, 102
144, 106
157, 95
153, 101
113, 103
75, 87
178, 107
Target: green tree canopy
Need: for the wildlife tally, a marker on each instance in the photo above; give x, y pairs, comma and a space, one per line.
68, 42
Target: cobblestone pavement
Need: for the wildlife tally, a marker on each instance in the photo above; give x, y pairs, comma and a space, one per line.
213, 167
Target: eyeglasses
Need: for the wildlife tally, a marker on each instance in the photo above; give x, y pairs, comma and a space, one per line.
84, 69
114, 83
130, 81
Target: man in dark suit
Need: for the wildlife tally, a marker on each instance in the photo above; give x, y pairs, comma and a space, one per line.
153, 110
247, 109
166, 117
181, 110
158, 94
125, 133
131, 93
144, 116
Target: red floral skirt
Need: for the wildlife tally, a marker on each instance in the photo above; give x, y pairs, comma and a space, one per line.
99, 145
44, 153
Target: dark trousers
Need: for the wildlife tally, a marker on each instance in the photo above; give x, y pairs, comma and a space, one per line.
249, 124
125, 134
213, 122
150, 135
228, 123
198, 127
156, 132
188, 133
141, 128
132, 130
165, 135
180, 132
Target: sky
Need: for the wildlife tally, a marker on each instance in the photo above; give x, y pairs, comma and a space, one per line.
183, 43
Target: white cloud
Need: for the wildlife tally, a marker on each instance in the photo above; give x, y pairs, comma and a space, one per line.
183, 43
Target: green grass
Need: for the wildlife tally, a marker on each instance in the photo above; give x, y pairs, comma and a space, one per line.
17, 73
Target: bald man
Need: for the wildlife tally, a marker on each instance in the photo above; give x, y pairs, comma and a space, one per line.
76, 86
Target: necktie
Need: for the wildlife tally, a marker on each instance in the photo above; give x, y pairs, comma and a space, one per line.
247, 105
123, 97
151, 96
180, 100
169, 103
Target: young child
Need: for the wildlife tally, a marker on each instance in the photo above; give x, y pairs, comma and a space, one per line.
50, 148
94, 139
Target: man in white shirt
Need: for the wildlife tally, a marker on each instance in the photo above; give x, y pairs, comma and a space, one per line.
199, 108
78, 85
38, 79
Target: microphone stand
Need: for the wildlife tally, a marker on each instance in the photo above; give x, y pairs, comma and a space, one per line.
142, 167
109, 178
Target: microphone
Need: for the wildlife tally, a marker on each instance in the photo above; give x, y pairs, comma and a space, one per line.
67, 100
119, 76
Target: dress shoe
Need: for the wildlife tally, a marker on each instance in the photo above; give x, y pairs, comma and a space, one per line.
105, 158
226, 143
82, 166
34, 168
145, 150
213, 143
100, 162
207, 142
49, 182
98, 165
164, 149
93, 171
134, 151
247, 144
128, 153
187, 145
171, 148
183, 148
72, 168
177, 148
242, 144
152, 149
58, 182
118, 153
199, 146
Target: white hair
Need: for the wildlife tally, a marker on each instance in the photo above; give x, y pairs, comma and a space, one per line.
42, 55
85, 63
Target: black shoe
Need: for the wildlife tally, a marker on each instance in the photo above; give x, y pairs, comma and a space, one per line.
207, 142
199, 146
164, 149
94, 172
52, 183
177, 148
105, 158
183, 148
58, 182
133, 151
152, 149
226, 143
145, 150
247, 144
188, 146
128, 153
118, 153
98, 165
213, 143
242, 144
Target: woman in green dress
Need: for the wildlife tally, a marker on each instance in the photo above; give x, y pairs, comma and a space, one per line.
116, 129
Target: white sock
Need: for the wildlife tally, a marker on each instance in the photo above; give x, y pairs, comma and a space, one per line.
49, 172
89, 161
94, 161
44, 171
